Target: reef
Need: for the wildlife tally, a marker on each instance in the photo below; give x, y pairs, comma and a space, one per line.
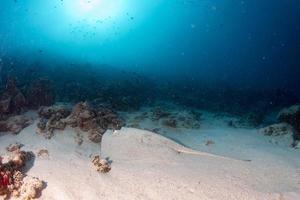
13, 181
93, 120
101, 165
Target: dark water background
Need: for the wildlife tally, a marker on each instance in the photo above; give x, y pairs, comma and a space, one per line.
222, 55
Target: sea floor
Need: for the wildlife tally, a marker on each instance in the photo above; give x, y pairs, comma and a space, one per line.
206, 158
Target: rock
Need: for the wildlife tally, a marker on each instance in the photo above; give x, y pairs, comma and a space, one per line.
15, 124
291, 116
102, 165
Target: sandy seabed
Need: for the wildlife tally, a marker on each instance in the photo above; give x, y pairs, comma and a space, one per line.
242, 164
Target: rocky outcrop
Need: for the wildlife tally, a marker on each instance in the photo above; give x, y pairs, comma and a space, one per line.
291, 116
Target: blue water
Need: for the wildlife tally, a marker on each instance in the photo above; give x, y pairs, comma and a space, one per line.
236, 56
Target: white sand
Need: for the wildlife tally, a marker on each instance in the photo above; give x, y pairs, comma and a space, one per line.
148, 166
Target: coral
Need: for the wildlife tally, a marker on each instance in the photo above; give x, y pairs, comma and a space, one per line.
15, 124
102, 165
40, 93
291, 116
